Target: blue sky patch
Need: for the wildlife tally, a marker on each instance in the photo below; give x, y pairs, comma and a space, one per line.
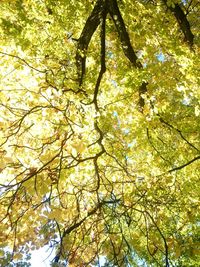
160, 57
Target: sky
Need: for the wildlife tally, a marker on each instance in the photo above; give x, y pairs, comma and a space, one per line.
41, 257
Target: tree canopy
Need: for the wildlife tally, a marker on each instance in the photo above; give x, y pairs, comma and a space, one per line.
100, 132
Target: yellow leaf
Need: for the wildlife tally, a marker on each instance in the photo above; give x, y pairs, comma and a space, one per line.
197, 111
2, 164
177, 252
55, 214
80, 147
1, 253
17, 256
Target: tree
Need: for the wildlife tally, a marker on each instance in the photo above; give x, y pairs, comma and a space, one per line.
100, 130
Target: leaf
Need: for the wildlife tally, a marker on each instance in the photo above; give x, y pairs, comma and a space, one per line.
80, 147
17, 256
1, 253
197, 111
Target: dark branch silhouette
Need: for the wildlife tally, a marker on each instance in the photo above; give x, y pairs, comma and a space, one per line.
183, 22
89, 29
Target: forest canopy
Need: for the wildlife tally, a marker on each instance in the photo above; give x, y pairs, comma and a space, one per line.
100, 132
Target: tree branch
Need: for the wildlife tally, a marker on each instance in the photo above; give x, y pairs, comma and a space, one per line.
99, 12
180, 133
103, 61
126, 46
90, 27
123, 34
163, 237
184, 165
183, 22
77, 224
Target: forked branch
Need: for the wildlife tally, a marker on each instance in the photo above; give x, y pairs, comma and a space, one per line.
89, 29
99, 12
